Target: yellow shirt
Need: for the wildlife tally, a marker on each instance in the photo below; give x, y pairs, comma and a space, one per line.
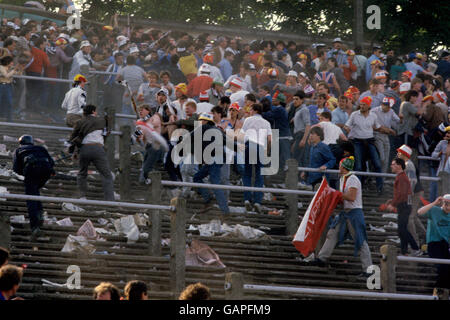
188, 64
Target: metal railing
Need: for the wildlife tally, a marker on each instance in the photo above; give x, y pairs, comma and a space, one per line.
423, 260
39, 126
364, 173
86, 202
177, 211
234, 290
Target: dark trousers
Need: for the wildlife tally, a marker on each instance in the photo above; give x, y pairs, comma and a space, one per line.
404, 210
32, 185
174, 172
35, 93
439, 250
151, 157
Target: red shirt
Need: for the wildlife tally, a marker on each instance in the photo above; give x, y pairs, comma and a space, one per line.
199, 84
402, 189
40, 61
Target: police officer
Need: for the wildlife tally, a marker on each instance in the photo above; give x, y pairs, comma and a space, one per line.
36, 165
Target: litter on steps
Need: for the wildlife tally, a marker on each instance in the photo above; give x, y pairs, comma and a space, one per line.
127, 226
199, 253
215, 228
372, 228
67, 206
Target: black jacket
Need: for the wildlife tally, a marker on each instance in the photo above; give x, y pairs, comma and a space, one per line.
29, 158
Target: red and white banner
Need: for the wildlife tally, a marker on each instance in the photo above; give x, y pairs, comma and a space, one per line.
316, 217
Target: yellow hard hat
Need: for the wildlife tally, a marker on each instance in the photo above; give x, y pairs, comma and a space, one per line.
80, 78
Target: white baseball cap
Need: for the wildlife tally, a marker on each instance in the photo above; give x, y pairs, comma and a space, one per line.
85, 43
293, 73
134, 50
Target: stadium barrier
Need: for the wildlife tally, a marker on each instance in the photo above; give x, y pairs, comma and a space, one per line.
235, 289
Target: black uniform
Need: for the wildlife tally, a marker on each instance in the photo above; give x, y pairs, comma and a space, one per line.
36, 165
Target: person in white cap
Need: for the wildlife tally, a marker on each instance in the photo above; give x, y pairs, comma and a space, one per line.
238, 94
292, 85
414, 223
388, 120
214, 72
82, 59
438, 238
338, 53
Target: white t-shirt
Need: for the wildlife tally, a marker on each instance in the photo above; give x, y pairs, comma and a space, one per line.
256, 129
331, 132
239, 97
352, 182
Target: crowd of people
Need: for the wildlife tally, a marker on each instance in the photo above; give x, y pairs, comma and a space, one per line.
326, 107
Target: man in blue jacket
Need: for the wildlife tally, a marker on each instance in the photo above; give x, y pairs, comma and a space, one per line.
320, 156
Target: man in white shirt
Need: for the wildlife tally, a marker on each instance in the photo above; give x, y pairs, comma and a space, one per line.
387, 119
82, 59
75, 100
352, 218
361, 126
257, 134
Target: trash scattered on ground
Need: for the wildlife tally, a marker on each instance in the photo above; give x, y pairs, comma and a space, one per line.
200, 254
215, 228
143, 235
48, 220
47, 283
3, 190
127, 226
3, 151
300, 205
87, 230
67, 206
116, 196
395, 239
237, 210
372, 228
9, 173
9, 139
165, 242
392, 225
390, 215
141, 219
17, 219
275, 212
267, 196
102, 221
66, 222
102, 231
78, 243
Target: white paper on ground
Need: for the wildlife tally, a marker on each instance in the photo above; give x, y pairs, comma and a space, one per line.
66, 222
87, 230
127, 226
67, 206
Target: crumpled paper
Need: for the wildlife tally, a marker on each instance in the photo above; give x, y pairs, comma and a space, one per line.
78, 243
200, 254
67, 206
87, 230
3, 190
215, 228
3, 151
17, 219
372, 228
66, 222
127, 226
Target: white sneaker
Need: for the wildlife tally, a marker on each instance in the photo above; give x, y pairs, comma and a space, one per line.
258, 208
309, 258
416, 253
248, 205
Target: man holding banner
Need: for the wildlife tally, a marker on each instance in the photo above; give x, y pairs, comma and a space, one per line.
351, 220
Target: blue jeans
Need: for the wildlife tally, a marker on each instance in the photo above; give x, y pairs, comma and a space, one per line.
285, 151
151, 157
255, 197
6, 101
300, 154
363, 147
214, 173
433, 184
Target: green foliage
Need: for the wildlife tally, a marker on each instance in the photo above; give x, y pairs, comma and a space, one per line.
420, 24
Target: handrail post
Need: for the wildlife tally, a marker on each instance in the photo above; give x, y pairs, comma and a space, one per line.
444, 185
125, 163
388, 264
111, 142
154, 197
5, 231
291, 181
178, 245
234, 286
